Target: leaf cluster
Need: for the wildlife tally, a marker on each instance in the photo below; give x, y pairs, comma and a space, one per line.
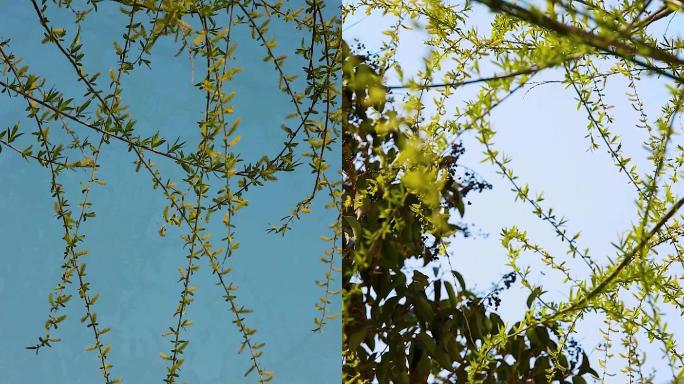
401, 325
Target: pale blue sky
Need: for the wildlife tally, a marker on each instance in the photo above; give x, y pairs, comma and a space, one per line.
544, 134
135, 270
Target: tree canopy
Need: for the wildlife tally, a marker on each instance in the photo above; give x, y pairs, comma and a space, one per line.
399, 328
400, 152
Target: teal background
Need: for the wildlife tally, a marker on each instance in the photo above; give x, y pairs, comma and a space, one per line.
134, 269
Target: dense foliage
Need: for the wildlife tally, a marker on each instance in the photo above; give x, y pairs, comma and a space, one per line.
401, 325
67, 134
400, 187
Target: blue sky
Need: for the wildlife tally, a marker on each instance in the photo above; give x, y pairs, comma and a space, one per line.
134, 269
544, 134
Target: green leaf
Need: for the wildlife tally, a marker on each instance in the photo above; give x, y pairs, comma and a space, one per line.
354, 225
585, 367
535, 293
460, 279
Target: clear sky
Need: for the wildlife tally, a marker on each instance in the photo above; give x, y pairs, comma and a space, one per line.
544, 134
134, 269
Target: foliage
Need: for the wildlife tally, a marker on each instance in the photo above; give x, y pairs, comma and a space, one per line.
69, 134
406, 174
400, 325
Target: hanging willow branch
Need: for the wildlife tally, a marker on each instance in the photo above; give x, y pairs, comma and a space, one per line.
397, 182
212, 184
